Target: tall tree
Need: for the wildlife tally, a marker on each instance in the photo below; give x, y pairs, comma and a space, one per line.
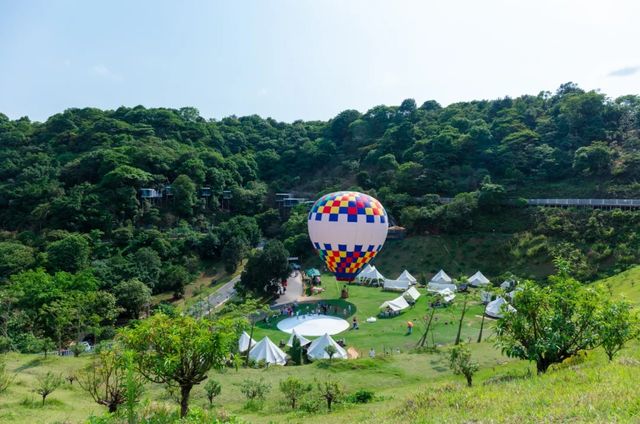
179, 351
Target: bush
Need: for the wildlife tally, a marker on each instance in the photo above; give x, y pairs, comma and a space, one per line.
254, 389
361, 396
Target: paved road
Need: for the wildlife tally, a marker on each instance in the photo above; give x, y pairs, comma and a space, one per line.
215, 299
294, 291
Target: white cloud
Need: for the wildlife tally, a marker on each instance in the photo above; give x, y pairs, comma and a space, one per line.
624, 72
103, 71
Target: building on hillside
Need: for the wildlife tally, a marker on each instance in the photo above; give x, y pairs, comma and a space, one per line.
396, 233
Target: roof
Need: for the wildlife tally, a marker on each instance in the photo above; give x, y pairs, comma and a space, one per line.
478, 279
243, 343
497, 307
412, 293
397, 304
407, 276
268, 352
396, 285
436, 287
312, 272
370, 273
316, 348
303, 341
441, 278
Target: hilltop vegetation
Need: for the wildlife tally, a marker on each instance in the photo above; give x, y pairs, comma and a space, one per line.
76, 236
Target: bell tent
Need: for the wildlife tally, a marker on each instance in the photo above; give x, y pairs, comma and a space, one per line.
316, 349
243, 343
478, 280
303, 341
265, 350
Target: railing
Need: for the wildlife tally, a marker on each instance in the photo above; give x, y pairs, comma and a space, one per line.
585, 203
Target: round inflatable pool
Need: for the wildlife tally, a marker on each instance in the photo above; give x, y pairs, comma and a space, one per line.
313, 325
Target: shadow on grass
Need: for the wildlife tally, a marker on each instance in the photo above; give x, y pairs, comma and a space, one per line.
36, 362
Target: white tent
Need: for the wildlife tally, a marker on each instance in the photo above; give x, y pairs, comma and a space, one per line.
412, 294
268, 352
408, 277
369, 274
397, 304
303, 341
438, 287
447, 295
396, 285
316, 349
243, 343
496, 308
485, 296
506, 285
441, 278
477, 280
512, 293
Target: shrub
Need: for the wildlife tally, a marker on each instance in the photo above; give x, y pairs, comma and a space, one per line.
47, 384
361, 396
212, 389
254, 389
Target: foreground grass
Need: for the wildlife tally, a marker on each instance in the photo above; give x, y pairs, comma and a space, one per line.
594, 391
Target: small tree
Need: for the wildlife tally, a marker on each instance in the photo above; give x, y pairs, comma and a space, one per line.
180, 350
331, 350
254, 389
47, 384
105, 379
78, 349
551, 323
464, 311
296, 351
212, 389
331, 391
293, 389
619, 323
461, 364
47, 346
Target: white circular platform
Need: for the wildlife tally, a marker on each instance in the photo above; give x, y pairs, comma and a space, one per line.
313, 325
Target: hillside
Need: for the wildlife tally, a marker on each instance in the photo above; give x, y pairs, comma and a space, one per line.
409, 386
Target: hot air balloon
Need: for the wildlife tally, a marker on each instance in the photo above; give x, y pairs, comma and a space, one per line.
348, 230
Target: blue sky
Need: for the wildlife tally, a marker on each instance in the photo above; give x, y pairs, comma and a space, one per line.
301, 59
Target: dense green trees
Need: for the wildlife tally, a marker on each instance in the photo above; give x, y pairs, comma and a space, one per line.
265, 269
70, 199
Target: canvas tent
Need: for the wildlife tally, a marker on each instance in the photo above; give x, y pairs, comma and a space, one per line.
512, 293
441, 278
406, 276
438, 287
316, 349
397, 304
265, 350
485, 297
495, 309
507, 284
369, 275
477, 280
303, 341
447, 295
412, 294
396, 285
243, 343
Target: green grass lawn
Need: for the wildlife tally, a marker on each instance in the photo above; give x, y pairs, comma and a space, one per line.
391, 333
410, 387
625, 284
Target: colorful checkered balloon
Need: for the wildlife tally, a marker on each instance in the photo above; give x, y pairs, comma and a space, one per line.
348, 230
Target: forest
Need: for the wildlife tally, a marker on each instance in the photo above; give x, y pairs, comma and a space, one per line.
82, 251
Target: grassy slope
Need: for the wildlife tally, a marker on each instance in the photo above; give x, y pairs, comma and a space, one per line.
460, 255
414, 387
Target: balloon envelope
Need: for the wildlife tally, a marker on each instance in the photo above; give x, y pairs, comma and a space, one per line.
348, 230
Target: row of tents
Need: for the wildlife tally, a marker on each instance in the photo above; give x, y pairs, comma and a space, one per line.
370, 276
267, 351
